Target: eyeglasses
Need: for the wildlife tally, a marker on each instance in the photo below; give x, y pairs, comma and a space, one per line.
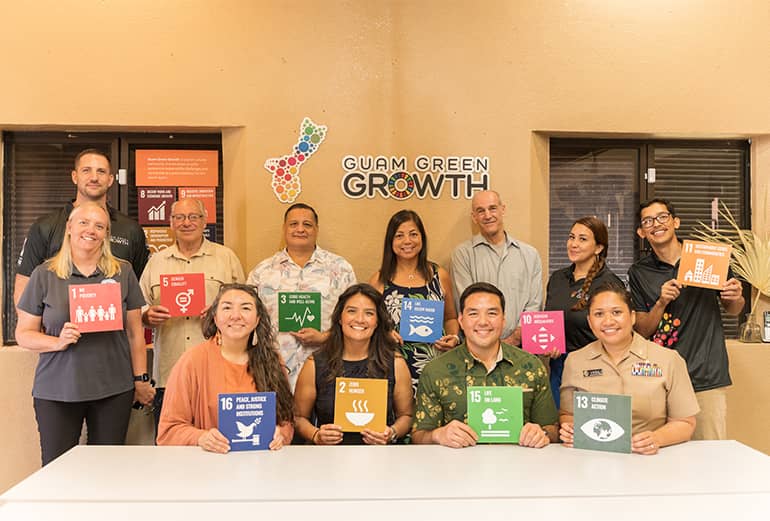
193, 217
662, 218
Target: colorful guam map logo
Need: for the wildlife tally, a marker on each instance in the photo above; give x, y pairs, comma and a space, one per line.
285, 169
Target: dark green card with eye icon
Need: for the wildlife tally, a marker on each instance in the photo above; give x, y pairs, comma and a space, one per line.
602, 422
297, 310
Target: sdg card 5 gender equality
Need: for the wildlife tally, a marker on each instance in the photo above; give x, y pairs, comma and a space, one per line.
184, 294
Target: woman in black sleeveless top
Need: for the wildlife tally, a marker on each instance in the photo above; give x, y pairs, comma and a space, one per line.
359, 346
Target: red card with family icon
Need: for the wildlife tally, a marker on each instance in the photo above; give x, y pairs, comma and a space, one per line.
184, 294
96, 307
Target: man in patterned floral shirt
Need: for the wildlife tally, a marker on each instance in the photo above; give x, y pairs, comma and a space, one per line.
485, 361
302, 267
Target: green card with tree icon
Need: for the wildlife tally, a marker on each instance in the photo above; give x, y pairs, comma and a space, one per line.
602, 422
297, 310
496, 413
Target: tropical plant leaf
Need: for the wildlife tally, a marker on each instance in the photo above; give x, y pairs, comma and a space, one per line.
751, 251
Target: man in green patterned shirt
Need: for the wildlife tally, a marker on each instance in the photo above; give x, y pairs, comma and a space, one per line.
482, 360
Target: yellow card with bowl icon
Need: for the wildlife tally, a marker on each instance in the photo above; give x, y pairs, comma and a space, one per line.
361, 403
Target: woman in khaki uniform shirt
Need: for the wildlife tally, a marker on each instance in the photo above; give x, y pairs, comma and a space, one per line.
622, 362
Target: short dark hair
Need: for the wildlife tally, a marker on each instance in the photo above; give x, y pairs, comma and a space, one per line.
612, 287
95, 152
658, 200
300, 206
481, 287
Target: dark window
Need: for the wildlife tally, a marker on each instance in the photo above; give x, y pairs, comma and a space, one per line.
609, 178
36, 181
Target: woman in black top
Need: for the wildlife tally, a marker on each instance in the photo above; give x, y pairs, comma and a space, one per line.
359, 346
569, 288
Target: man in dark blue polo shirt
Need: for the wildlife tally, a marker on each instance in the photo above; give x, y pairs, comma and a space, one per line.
684, 318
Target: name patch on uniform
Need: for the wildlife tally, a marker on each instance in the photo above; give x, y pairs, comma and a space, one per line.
592, 372
646, 368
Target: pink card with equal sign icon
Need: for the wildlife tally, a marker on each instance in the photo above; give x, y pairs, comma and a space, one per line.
542, 332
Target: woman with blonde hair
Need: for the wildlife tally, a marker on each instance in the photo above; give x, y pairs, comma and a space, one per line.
93, 376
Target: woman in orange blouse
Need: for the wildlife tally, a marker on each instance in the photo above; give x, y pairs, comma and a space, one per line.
238, 356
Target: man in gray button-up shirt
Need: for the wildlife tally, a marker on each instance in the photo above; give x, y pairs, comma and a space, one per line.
495, 257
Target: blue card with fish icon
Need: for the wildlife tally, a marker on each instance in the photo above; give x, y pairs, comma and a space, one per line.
247, 420
421, 320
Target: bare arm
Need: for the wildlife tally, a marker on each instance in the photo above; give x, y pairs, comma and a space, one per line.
647, 323
18, 288
451, 327
143, 391
403, 401
304, 401
676, 430
403, 407
30, 337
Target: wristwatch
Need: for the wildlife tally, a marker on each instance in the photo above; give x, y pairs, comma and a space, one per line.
144, 377
393, 435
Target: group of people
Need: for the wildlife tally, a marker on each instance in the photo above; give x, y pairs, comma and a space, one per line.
235, 346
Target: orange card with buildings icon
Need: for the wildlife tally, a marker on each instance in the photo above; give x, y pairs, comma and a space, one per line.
704, 264
361, 403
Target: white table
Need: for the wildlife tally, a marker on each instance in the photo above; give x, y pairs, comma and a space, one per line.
415, 482
728, 507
